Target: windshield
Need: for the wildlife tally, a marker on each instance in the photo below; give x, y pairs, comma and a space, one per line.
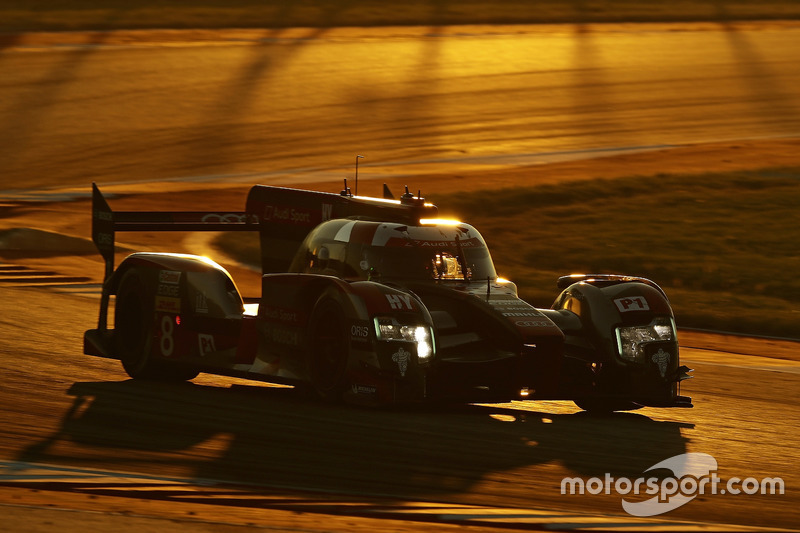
425, 253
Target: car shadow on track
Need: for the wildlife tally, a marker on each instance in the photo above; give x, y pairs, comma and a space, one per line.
275, 437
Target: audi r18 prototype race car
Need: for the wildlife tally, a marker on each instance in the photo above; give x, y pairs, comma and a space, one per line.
377, 300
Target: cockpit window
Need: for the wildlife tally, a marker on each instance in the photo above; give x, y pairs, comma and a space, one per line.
428, 253
445, 266
387, 251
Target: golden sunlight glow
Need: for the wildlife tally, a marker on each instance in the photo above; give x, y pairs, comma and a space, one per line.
373, 199
439, 222
207, 260
385, 200
503, 418
502, 280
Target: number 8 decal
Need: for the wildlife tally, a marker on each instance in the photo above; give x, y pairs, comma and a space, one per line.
167, 342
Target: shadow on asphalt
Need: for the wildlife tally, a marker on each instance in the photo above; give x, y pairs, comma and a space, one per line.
275, 437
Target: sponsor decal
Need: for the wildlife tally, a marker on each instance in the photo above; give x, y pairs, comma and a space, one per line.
105, 239
281, 315
168, 305
281, 334
358, 331
661, 358
521, 313
400, 301
400, 242
401, 357
502, 303
532, 324
631, 303
206, 344
514, 308
169, 276
228, 218
165, 289
363, 389
360, 335
288, 215
200, 302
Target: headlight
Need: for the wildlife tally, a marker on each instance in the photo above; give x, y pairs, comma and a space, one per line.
389, 329
631, 341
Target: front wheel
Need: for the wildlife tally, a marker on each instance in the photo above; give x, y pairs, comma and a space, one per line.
328, 350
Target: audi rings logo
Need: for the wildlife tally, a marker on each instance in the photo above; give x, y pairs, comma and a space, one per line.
532, 323
225, 218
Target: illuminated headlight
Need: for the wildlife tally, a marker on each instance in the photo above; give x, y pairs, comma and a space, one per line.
631, 341
388, 329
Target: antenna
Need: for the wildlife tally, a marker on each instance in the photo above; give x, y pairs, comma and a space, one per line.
346, 190
357, 158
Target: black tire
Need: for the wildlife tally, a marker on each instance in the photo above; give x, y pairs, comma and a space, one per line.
133, 333
328, 350
600, 405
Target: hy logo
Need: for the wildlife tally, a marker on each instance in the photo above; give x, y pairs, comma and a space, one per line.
399, 301
697, 465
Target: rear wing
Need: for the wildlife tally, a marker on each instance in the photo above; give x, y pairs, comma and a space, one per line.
106, 223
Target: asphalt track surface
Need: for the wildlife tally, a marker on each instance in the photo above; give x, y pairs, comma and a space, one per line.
78, 436
72, 422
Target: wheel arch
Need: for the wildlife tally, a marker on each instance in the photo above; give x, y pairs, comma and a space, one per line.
149, 261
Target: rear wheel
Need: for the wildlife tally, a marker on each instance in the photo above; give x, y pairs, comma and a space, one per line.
328, 350
133, 333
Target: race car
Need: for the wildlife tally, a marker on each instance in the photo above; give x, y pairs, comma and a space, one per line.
377, 301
